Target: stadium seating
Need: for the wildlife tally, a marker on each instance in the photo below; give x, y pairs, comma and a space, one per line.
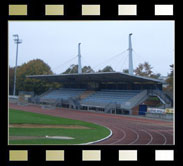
97, 98
63, 93
110, 96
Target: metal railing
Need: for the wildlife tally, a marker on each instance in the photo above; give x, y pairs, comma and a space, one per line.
161, 95
137, 99
109, 107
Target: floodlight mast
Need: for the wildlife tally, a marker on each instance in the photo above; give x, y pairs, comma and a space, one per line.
130, 55
79, 59
17, 42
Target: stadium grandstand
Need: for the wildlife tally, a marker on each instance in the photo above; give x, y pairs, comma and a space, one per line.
109, 92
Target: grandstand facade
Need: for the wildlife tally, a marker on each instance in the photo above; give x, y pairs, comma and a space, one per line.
110, 92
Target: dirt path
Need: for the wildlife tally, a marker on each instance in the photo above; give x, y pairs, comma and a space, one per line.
47, 126
38, 137
25, 137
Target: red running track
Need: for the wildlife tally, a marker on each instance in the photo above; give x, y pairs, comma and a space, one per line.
126, 130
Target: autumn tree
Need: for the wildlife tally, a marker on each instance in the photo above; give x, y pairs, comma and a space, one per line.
87, 69
74, 69
33, 67
169, 80
145, 70
11, 79
107, 69
125, 71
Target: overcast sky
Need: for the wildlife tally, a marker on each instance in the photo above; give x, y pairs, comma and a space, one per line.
56, 43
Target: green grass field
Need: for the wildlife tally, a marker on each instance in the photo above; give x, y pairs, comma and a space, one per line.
95, 132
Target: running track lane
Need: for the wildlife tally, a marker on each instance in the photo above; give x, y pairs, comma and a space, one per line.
126, 130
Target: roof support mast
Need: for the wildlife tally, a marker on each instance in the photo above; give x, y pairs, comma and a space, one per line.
130, 56
79, 59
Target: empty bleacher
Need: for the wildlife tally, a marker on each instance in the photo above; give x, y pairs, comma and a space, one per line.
100, 99
104, 97
63, 93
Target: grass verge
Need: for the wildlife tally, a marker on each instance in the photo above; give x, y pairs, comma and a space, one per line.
95, 132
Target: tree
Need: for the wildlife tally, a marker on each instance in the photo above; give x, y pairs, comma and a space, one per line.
87, 69
125, 71
156, 76
169, 80
107, 69
11, 79
146, 71
74, 69
33, 67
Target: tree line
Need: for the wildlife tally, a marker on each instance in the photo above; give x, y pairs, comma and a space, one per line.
39, 67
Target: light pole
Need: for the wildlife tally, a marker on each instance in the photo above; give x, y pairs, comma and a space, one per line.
17, 41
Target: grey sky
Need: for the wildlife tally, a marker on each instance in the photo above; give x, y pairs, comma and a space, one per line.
56, 42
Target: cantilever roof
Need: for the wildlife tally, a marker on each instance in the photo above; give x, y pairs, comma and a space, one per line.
96, 77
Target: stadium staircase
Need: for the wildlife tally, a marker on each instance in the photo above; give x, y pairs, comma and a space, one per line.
162, 96
45, 93
142, 96
35, 100
136, 100
110, 107
74, 102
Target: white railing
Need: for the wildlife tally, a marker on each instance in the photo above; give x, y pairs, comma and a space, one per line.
140, 97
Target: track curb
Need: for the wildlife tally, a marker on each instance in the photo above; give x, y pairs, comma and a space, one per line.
88, 143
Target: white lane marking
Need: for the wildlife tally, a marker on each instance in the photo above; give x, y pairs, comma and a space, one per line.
151, 137
165, 139
121, 139
88, 143
137, 138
